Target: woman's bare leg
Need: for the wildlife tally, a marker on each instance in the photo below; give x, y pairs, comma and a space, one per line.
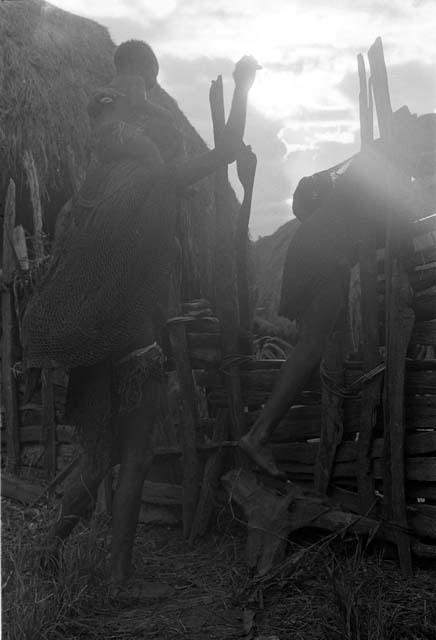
136, 460
316, 325
92, 410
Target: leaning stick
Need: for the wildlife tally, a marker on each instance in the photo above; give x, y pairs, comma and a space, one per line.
225, 267
9, 384
399, 320
368, 276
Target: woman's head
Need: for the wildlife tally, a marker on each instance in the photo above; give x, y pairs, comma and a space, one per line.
310, 194
137, 58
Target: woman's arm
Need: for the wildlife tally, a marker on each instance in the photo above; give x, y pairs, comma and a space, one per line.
231, 141
246, 166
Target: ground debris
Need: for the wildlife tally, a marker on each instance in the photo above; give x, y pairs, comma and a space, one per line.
326, 588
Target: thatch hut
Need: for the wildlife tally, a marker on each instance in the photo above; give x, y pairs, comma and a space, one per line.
50, 62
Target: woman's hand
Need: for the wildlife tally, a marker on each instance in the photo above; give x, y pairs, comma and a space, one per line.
245, 72
246, 162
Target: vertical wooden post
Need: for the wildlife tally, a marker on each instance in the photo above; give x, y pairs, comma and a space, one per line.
212, 472
177, 334
332, 413
371, 393
48, 411
225, 269
9, 385
20, 247
35, 197
48, 422
246, 165
399, 324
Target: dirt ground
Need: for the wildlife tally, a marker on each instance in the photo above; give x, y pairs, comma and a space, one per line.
328, 588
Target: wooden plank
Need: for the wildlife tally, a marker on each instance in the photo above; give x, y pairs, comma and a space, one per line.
423, 443
429, 364
8, 383
48, 422
425, 226
420, 377
33, 433
226, 300
425, 256
203, 341
422, 519
421, 382
421, 469
177, 333
424, 333
20, 247
421, 257
423, 550
270, 518
162, 493
425, 307
422, 279
420, 490
35, 197
19, 489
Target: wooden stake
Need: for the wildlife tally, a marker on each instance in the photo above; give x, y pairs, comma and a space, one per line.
20, 247
177, 334
225, 268
35, 197
212, 472
371, 392
48, 422
399, 324
332, 413
9, 384
246, 165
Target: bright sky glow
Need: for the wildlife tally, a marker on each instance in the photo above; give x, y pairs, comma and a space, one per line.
306, 95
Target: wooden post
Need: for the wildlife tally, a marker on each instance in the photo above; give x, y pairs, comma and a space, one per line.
20, 247
35, 197
9, 385
48, 422
399, 325
332, 412
371, 393
212, 472
246, 165
226, 298
177, 334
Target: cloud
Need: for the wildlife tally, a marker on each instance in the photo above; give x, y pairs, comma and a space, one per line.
304, 105
189, 82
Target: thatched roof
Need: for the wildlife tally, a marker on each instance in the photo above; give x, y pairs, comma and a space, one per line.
50, 62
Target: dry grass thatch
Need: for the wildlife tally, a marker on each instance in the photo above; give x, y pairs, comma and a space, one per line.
49, 62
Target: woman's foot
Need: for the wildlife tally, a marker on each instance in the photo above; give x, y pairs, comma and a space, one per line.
261, 455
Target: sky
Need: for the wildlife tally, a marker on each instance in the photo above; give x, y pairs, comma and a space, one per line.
303, 114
